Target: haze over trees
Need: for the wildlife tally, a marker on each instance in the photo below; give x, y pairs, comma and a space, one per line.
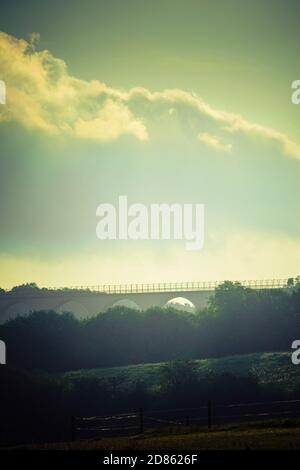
237, 320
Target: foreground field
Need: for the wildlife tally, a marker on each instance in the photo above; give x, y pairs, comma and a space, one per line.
265, 435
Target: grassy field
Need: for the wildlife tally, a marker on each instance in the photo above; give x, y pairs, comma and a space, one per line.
273, 434
269, 368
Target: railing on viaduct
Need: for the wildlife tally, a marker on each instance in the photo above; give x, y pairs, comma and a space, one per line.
174, 286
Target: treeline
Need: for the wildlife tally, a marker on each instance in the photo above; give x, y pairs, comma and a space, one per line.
237, 320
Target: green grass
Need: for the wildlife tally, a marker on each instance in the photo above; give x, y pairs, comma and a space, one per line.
273, 434
270, 368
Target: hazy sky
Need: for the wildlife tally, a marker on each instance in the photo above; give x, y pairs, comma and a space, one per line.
163, 101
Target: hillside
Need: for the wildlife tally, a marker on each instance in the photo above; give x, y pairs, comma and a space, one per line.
273, 368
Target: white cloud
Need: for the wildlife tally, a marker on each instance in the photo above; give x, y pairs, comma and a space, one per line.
214, 142
41, 94
113, 120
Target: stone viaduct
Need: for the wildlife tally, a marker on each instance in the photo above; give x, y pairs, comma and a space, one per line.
89, 301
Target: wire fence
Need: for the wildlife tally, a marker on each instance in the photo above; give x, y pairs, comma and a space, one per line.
136, 422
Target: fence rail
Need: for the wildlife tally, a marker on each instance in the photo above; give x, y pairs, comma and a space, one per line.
135, 422
191, 286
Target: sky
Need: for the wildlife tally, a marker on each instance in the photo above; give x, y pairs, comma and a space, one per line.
163, 101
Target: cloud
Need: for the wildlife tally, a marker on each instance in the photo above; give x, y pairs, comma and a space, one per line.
229, 122
41, 94
214, 142
113, 120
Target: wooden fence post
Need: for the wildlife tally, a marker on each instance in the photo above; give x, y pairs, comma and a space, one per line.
209, 416
141, 419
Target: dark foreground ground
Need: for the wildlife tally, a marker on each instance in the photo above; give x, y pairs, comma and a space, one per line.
273, 434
